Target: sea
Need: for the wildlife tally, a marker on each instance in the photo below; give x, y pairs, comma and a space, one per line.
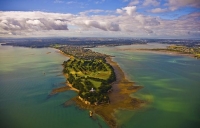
28, 75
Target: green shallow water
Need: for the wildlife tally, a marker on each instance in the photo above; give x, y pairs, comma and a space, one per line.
171, 86
24, 90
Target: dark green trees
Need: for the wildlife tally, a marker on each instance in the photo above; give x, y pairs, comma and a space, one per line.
85, 71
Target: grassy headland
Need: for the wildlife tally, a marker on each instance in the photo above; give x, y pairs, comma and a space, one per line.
88, 72
101, 84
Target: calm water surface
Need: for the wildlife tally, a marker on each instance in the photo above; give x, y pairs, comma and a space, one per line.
24, 90
171, 86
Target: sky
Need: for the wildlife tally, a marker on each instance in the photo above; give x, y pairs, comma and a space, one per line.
100, 18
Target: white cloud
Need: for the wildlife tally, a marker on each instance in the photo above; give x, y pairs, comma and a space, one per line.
127, 10
25, 22
91, 11
175, 4
95, 24
106, 26
130, 10
33, 22
158, 10
119, 11
71, 2
105, 23
127, 23
100, 1
134, 2
58, 1
147, 20
151, 2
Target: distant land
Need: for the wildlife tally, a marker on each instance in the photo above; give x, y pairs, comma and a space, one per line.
189, 47
193, 51
93, 42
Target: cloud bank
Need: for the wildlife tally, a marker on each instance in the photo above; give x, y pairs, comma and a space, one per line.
124, 22
175, 4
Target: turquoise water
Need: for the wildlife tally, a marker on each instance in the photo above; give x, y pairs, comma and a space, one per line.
171, 87
27, 76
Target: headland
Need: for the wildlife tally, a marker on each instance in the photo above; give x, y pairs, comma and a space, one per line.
101, 84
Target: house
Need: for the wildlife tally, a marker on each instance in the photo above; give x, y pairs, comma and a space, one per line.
92, 90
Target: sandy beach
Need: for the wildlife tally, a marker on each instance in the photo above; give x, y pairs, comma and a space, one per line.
70, 85
61, 52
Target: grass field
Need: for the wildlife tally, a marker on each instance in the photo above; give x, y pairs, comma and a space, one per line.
94, 71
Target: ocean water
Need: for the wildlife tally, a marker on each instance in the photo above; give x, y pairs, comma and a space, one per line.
27, 76
171, 87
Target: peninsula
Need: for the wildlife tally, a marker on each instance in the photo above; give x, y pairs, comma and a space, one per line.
101, 84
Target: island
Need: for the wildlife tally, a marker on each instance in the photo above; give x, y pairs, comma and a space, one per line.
100, 83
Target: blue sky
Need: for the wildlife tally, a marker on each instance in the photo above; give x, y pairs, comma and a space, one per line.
114, 18
61, 6
77, 6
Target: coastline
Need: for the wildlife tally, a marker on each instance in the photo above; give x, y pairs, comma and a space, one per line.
70, 85
67, 83
119, 96
67, 86
61, 52
166, 52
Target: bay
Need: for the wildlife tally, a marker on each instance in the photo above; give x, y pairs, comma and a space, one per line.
27, 77
171, 87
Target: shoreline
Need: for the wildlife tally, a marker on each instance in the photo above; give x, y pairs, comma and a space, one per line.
168, 52
165, 52
70, 85
67, 86
61, 52
119, 96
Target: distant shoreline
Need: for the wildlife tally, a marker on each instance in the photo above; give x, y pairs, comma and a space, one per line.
166, 52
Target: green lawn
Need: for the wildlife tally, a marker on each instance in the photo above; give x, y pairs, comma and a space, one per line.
96, 84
